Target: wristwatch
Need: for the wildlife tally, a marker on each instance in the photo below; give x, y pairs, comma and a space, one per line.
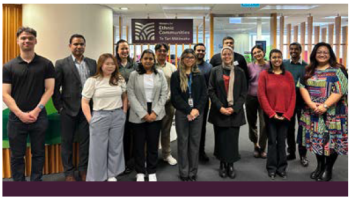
41, 106
325, 106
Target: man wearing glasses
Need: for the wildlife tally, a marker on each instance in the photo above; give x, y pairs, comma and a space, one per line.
168, 69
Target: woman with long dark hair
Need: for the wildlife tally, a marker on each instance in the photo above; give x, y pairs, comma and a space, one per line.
324, 117
253, 108
188, 96
227, 91
276, 94
147, 93
107, 89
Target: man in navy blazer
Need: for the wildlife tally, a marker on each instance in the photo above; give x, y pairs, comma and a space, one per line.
71, 74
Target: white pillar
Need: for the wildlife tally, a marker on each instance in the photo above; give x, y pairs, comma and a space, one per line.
55, 23
259, 29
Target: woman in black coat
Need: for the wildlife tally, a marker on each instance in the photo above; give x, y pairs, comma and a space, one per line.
227, 91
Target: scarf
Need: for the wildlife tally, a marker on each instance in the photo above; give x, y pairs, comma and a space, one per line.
230, 98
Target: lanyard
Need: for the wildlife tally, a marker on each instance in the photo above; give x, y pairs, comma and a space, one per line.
189, 85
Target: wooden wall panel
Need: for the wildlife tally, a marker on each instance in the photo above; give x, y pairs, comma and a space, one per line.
324, 35
281, 33
331, 34
302, 37
204, 30
317, 34
273, 30
345, 45
337, 36
309, 34
296, 34
11, 21
211, 35
289, 38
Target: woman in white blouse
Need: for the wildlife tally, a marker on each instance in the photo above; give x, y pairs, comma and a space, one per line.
107, 89
147, 92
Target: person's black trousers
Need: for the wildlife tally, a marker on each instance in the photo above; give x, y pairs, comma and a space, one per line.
17, 134
291, 147
204, 125
72, 126
276, 154
146, 133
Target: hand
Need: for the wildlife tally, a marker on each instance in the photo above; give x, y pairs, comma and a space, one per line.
190, 118
278, 117
194, 113
230, 109
320, 110
88, 120
224, 111
313, 106
34, 113
152, 117
26, 118
146, 118
125, 109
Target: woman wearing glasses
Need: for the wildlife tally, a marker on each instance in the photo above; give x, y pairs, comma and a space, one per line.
324, 118
188, 96
227, 91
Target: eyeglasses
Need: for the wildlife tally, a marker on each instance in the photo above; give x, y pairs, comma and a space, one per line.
162, 51
322, 52
190, 57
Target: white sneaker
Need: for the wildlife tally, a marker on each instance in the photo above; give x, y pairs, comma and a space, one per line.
140, 177
171, 160
152, 177
112, 179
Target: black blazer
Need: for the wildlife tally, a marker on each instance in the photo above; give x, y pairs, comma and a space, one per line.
199, 94
67, 77
218, 96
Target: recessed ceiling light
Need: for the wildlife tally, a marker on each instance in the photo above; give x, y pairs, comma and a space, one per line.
124, 8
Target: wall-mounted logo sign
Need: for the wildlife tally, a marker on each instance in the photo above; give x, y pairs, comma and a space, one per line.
170, 31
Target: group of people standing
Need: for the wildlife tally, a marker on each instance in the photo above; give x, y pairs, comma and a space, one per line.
118, 109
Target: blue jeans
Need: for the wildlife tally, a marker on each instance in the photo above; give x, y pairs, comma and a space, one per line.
18, 133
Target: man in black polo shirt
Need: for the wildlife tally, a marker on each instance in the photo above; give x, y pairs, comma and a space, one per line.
238, 58
28, 83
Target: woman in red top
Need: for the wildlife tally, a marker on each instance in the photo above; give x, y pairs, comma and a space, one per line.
276, 94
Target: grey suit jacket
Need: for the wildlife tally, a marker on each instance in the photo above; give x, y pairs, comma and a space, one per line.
67, 76
137, 96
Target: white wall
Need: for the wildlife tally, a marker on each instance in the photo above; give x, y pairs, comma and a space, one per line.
56, 23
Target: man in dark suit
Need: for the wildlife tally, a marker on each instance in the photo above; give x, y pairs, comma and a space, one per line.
71, 74
238, 59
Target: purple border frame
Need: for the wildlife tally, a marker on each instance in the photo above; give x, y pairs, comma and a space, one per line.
183, 189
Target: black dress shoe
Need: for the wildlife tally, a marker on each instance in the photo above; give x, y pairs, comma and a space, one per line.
184, 179
291, 156
128, 170
304, 162
282, 174
192, 178
203, 157
222, 170
272, 175
231, 171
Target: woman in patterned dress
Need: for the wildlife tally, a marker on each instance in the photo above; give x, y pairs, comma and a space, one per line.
324, 117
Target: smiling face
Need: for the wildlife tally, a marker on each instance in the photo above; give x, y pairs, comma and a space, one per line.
161, 54
108, 67
322, 55
26, 41
294, 52
227, 56
276, 59
123, 50
258, 54
147, 61
77, 46
200, 52
189, 60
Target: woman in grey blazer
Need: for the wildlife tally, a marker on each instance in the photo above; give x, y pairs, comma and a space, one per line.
147, 93
227, 91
